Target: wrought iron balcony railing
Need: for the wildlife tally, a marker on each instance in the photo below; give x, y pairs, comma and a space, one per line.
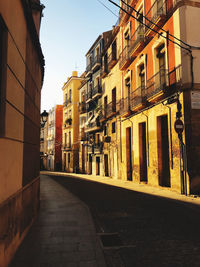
112, 59
157, 14
96, 61
97, 90
110, 110
89, 67
138, 97
82, 107
88, 95
124, 58
67, 146
137, 41
157, 83
82, 134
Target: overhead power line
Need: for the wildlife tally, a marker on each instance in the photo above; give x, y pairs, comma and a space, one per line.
167, 38
138, 13
107, 8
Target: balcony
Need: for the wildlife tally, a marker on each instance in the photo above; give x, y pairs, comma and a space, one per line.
65, 103
110, 110
82, 134
93, 123
123, 16
125, 106
137, 42
98, 148
97, 91
157, 85
157, 14
82, 107
124, 58
88, 97
68, 123
89, 69
67, 147
175, 77
104, 70
96, 63
112, 60
138, 99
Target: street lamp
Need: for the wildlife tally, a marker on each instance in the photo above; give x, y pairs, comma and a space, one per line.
44, 116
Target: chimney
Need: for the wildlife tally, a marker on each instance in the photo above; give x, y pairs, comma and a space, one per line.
75, 74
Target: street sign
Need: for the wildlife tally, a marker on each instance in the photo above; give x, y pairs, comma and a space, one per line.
178, 126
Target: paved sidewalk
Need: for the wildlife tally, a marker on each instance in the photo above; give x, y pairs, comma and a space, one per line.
131, 185
63, 234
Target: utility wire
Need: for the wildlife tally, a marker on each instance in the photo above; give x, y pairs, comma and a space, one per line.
138, 13
107, 8
150, 27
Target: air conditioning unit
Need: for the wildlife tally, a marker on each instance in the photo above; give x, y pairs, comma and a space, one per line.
106, 139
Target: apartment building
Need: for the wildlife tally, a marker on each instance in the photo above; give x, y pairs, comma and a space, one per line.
93, 102
111, 81
54, 149
70, 138
82, 122
21, 72
160, 83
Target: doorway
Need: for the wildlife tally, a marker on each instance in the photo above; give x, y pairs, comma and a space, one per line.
90, 164
143, 152
106, 164
128, 154
163, 151
97, 165
83, 159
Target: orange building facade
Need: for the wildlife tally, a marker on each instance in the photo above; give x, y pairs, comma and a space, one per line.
159, 81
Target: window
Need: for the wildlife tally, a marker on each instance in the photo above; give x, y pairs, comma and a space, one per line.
3, 60
142, 76
114, 50
113, 127
105, 130
114, 100
70, 95
69, 139
161, 64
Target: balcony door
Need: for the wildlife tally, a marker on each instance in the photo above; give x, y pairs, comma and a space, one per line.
161, 65
105, 105
114, 100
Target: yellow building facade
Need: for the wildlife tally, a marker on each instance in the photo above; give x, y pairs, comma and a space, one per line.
82, 122
70, 140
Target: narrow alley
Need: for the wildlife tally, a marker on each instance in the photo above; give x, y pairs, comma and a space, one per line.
63, 234
133, 229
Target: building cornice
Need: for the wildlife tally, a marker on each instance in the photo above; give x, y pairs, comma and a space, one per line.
32, 30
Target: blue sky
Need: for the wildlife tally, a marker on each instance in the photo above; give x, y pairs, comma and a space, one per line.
68, 30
